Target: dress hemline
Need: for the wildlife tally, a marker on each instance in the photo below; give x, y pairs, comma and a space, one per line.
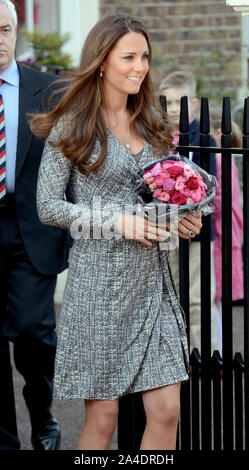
143, 389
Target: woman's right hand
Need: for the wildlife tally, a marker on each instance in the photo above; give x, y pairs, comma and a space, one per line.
138, 228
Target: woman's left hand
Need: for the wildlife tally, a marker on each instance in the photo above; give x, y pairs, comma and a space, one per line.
190, 226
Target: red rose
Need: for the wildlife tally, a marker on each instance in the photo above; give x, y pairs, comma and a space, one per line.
193, 183
171, 192
175, 170
178, 199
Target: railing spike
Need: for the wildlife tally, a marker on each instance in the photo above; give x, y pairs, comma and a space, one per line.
238, 361
184, 116
216, 358
204, 116
246, 117
195, 356
226, 125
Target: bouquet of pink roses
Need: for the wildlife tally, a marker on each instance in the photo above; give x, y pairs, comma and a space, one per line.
178, 185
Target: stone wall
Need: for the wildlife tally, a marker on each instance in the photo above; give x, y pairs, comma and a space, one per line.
200, 35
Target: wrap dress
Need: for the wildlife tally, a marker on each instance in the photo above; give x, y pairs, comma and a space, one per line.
121, 327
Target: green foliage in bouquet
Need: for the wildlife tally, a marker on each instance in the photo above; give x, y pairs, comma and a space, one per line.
47, 48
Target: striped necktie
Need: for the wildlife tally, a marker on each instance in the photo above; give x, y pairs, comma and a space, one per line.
2, 149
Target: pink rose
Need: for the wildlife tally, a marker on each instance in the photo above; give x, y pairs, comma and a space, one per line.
185, 191
157, 192
187, 167
181, 179
148, 177
179, 186
169, 184
167, 164
165, 174
164, 197
178, 199
159, 179
152, 186
150, 180
196, 195
182, 164
156, 169
188, 172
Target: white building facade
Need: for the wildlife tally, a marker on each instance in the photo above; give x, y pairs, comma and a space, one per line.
241, 6
75, 17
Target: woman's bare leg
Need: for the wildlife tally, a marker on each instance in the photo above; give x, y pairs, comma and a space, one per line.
162, 407
100, 424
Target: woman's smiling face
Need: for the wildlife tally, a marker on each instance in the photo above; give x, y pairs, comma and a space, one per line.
127, 64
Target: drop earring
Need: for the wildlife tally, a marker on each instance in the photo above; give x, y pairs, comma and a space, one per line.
101, 74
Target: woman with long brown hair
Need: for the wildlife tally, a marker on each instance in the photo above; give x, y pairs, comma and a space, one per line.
121, 327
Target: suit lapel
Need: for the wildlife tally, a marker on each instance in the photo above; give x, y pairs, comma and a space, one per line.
28, 101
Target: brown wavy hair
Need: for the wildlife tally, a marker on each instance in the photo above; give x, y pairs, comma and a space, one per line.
83, 95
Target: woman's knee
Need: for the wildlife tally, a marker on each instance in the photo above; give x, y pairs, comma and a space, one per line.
103, 416
165, 413
163, 409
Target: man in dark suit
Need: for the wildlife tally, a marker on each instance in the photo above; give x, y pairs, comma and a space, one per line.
31, 254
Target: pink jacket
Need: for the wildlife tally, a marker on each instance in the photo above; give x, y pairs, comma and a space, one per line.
237, 215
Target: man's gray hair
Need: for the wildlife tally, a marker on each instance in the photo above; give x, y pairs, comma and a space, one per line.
12, 10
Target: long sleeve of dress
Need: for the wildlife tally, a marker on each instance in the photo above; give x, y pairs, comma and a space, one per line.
55, 174
53, 178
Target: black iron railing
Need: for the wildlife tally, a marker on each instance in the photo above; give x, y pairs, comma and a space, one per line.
215, 401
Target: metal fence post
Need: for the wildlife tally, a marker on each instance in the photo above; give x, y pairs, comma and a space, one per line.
227, 327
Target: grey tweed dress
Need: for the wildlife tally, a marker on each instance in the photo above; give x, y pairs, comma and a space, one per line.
121, 327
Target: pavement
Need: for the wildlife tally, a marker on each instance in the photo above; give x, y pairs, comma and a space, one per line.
70, 413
